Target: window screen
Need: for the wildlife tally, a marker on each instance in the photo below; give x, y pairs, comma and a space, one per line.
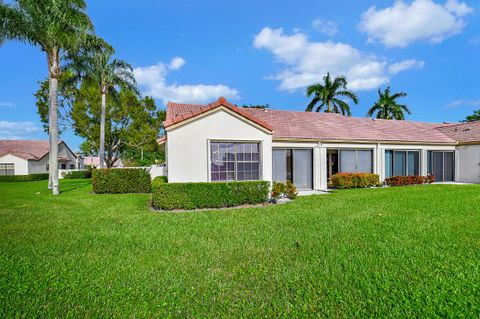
356, 161
234, 161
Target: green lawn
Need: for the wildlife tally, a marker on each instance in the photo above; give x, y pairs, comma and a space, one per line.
397, 252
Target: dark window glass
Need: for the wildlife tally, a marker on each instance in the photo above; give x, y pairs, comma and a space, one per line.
7, 169
234, 161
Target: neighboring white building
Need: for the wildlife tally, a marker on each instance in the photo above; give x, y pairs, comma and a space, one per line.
94, 162
219, 142
23, 157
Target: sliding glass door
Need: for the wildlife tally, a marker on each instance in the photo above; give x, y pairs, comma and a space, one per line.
402, 163
356, 161
295, 165
441, 164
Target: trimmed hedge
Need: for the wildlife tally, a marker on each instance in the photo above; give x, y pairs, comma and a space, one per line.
409, 180
160, 179
78, 174
121, 180
208, 195
24, 178
355, 180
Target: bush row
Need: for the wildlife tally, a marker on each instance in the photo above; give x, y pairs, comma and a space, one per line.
78, 174
121, 180
409, 180
355, 180
169, 196
24, 178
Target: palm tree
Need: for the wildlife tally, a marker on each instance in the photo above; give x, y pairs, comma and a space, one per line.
327, 95
108, 74
58, 27
387, 107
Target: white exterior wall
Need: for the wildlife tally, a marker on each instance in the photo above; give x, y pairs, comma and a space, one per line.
21, 165
468, 160
188, 156
320, 156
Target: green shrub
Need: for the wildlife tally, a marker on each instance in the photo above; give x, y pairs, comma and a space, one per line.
355, 180
121, 180
78, 174
24, 178
291, 190
160, 179
278, 190
168, 196
409, 180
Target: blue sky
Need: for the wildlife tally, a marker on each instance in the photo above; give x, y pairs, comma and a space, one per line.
267, 52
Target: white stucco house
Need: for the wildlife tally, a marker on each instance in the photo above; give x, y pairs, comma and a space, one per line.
23, 157
222, 142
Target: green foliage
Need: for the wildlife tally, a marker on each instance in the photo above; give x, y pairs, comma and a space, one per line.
207, 195
144, 155
291, 190
387, 107
288, 190
355, 180
409, 180
24, 178
160, 180
131, 123
329, 95
278, 190
474, 117
78, 174
121, 180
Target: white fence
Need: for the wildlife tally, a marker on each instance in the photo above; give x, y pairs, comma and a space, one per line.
63, 172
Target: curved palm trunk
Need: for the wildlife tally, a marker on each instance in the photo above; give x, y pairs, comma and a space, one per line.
329, 110
53, 132
101, 151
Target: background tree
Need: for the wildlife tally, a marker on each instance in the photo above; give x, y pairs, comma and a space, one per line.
58, 27
474, 117
387, 107
99, 67
327, 95
130, 122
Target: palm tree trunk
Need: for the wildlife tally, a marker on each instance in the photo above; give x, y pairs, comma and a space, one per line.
102, 129
328, 107
53, 130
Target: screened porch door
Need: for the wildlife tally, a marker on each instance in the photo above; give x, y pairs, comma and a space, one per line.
443, 166
295, 165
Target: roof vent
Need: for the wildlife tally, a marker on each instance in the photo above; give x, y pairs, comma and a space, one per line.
468, 128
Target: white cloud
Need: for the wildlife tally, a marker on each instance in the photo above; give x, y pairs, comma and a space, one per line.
420, 20
17, 130
306, 62
7, 104
459, 103
405, 65
176, 63
153, 80
326, 27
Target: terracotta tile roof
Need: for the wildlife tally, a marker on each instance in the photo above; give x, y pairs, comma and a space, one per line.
327, 126
463, 132
26, 149
177, 113
162, 139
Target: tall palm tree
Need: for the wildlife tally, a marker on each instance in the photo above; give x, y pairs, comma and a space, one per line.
58, 27
387, 107
108, 74
327, 95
